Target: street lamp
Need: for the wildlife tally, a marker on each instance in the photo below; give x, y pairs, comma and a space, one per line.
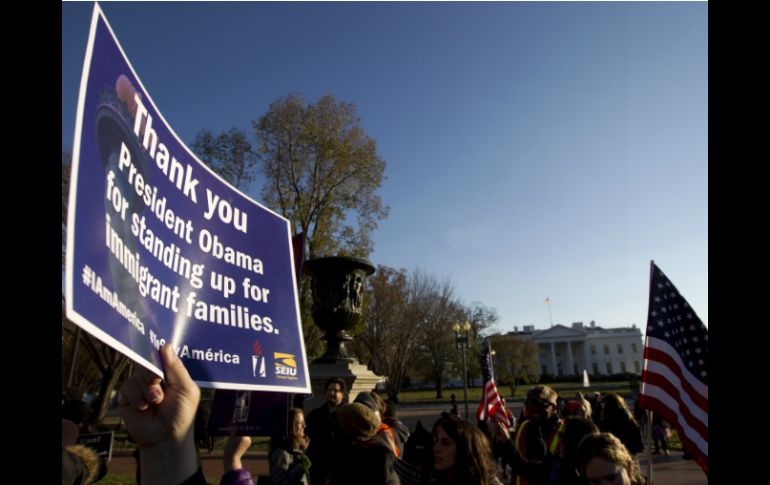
462, 343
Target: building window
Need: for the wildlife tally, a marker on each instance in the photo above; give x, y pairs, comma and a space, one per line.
596, 369
636, 367
593, 350
633, 348
609, 368
620, 348
606, 349
623, 367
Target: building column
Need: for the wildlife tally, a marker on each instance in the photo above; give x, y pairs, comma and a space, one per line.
587, 359
554, 370
570, 361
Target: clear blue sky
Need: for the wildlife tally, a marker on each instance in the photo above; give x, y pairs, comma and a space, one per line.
533, 149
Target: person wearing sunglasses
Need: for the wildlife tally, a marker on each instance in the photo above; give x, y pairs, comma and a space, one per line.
532, 450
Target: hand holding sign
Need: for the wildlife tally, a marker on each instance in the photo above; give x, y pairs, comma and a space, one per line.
160, 419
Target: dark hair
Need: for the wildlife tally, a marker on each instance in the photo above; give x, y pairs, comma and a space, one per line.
473, 462
390, 408
76, 411
615, 408
336, 380
575, 429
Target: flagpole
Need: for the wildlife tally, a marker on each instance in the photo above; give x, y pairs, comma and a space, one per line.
550, 317
649, 413
649, 451
491, 362
491, 374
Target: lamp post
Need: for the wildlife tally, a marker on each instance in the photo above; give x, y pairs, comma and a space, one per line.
462, 343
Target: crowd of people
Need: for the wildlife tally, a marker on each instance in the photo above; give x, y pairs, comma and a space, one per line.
584, 441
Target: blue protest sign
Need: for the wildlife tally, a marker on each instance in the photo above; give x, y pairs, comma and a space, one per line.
161, 249
255, 413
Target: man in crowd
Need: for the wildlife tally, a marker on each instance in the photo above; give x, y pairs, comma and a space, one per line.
319, 428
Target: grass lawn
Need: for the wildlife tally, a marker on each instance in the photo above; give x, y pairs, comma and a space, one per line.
258, 443
674, 443
566, 389
128, 480
117, 480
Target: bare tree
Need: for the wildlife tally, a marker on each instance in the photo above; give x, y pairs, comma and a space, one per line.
110, 366
482, 319
109, 363
515, 360
435, 310
85, 375
390, 337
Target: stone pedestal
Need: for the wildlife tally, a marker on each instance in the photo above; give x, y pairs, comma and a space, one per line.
356, 376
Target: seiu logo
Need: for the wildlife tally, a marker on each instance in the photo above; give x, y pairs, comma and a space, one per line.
285, 366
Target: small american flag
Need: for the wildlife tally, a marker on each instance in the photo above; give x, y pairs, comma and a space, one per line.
675, 377
491, 405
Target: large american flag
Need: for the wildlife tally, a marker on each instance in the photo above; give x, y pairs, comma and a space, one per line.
491, 405
675, 378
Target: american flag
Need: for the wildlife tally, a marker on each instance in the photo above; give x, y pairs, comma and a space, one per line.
675, 378
491, 405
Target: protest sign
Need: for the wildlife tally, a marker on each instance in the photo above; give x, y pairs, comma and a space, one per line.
160, 249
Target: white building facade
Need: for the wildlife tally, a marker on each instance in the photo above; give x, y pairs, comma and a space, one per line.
566, 351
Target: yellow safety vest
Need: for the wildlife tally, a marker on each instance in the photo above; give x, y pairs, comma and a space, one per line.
551, 443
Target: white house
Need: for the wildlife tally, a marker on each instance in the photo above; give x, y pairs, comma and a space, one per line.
600, 351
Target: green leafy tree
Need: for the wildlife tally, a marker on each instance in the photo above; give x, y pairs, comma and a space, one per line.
230, 154
319, 169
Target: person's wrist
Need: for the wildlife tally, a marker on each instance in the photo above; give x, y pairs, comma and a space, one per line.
169, 462
233, 464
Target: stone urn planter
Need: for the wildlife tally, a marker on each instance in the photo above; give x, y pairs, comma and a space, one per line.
337, 289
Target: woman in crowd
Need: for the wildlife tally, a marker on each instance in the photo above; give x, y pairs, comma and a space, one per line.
462, 454
617, 419
289, 464
602, 459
